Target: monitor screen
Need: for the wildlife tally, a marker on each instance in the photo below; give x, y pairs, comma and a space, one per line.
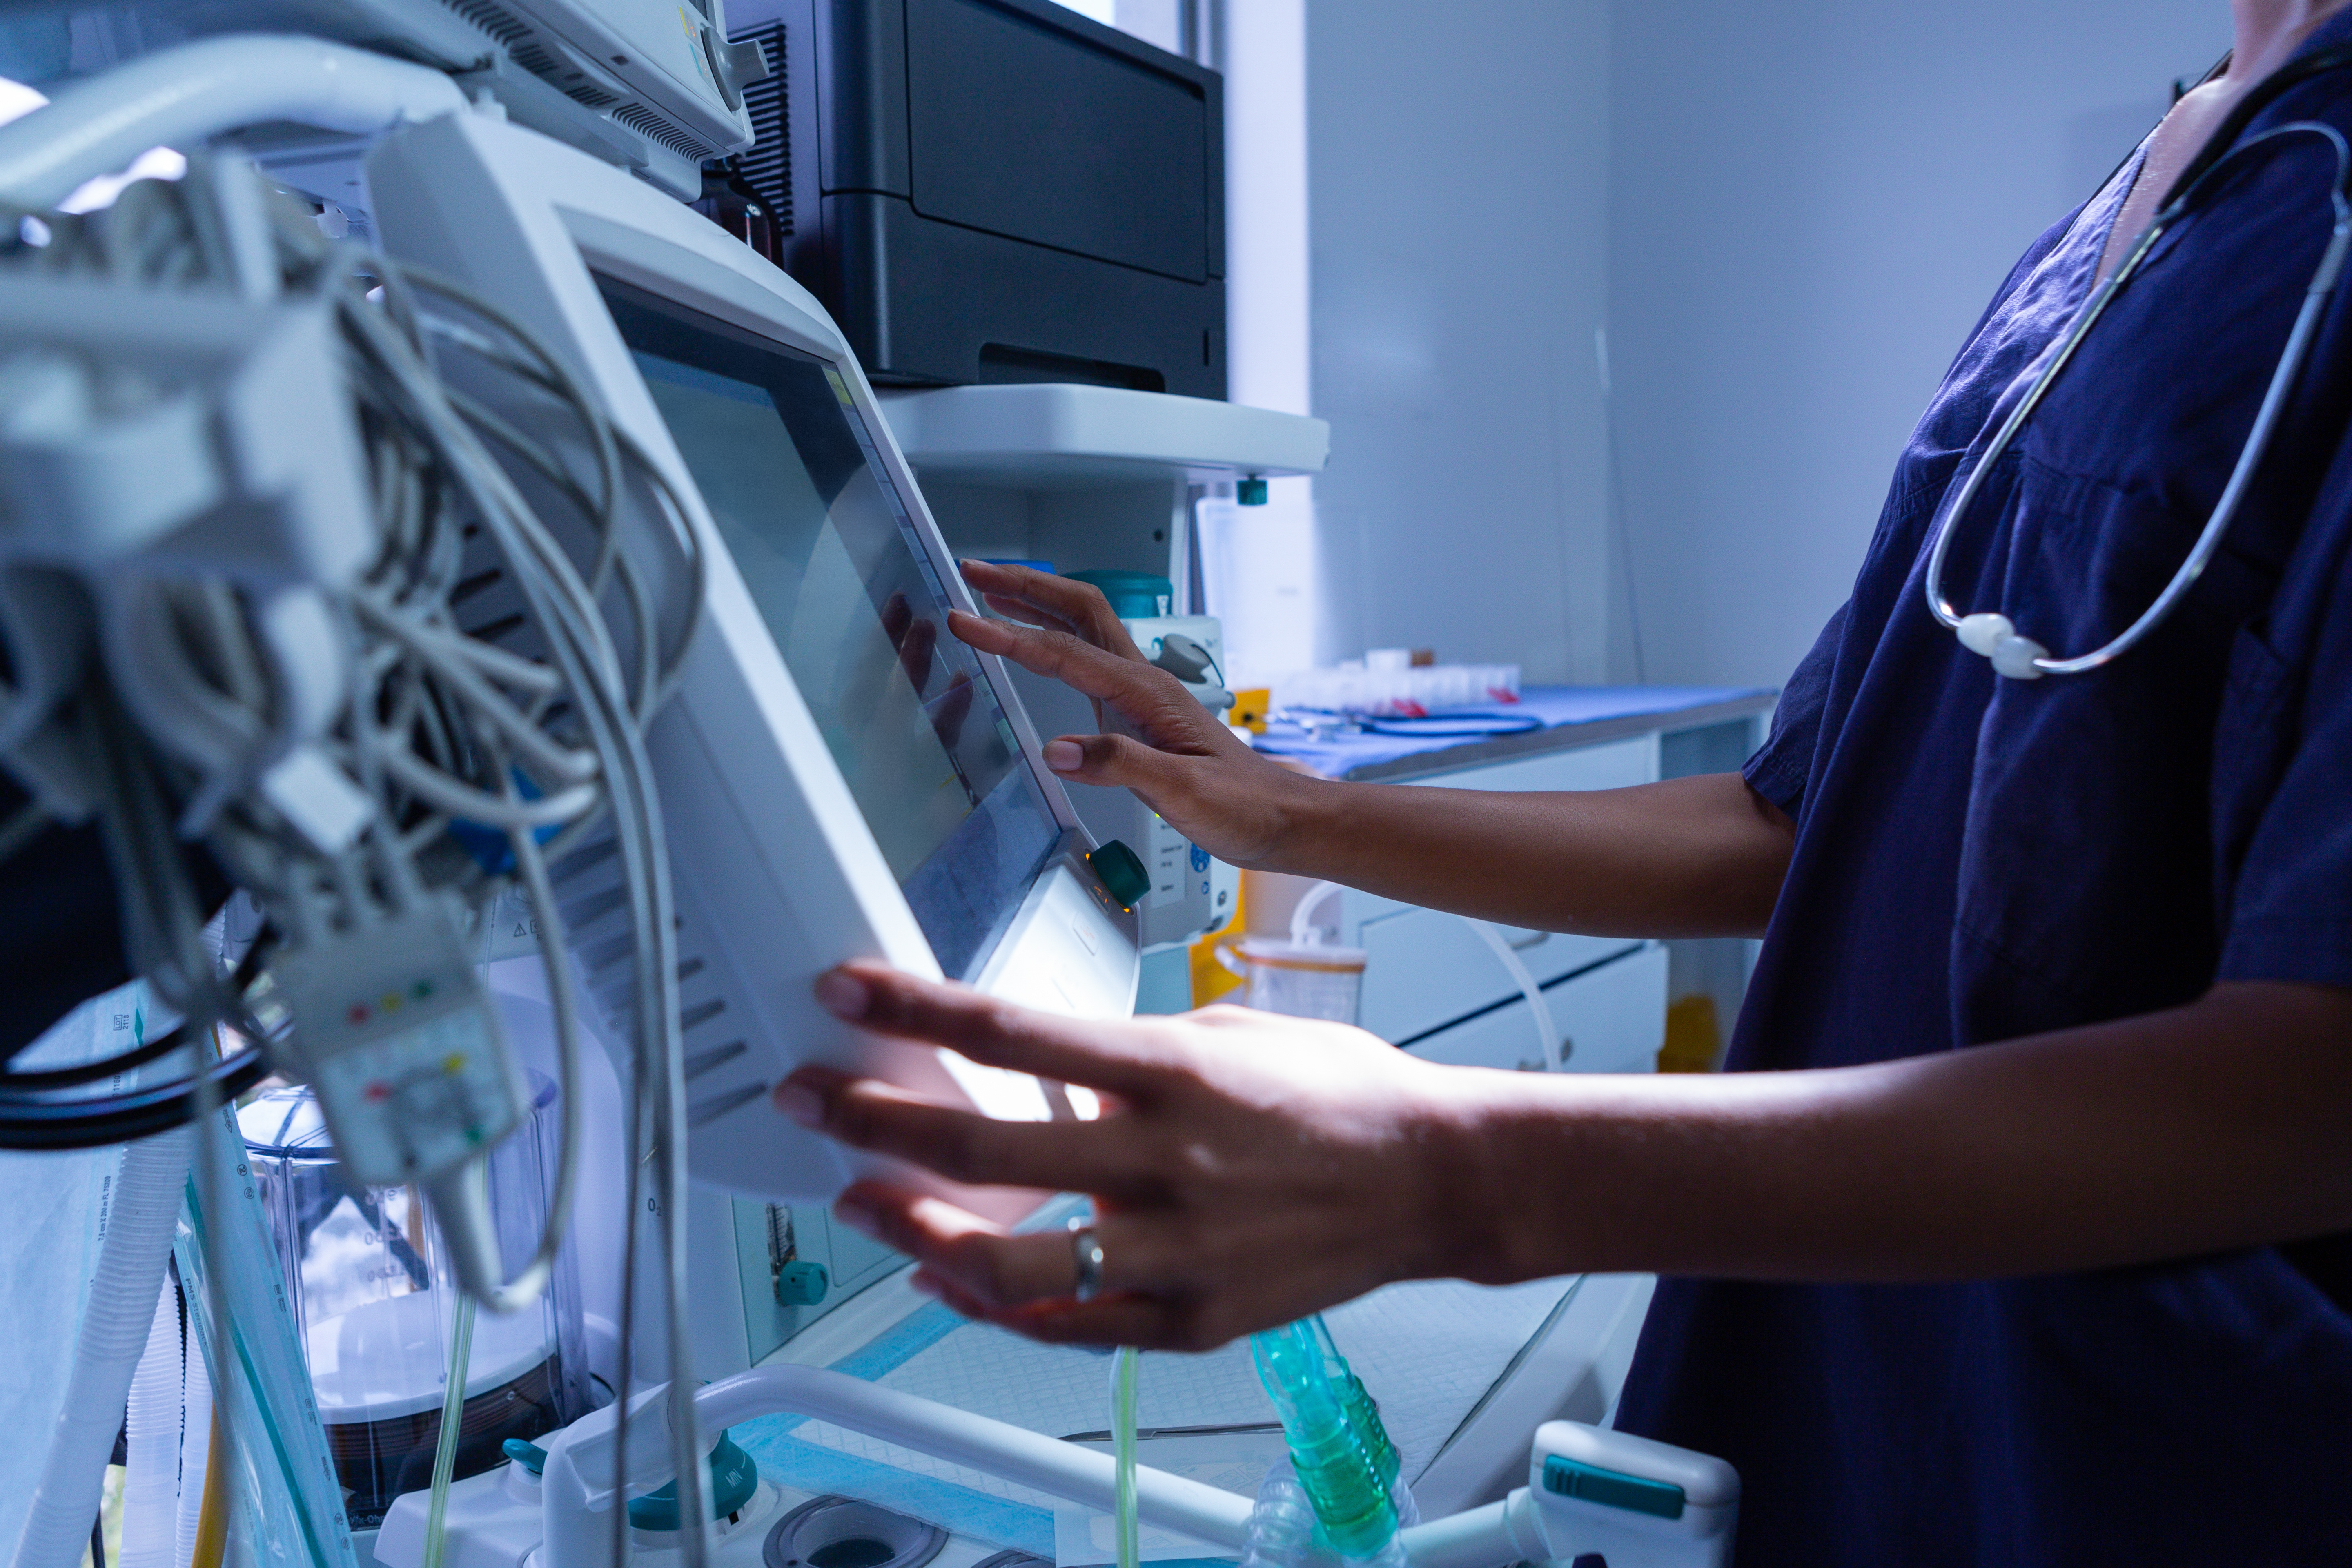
826, 546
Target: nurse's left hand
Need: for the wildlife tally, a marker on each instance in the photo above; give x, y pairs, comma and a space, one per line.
1246, 1169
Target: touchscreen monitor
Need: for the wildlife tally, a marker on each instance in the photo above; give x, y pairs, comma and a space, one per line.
824, 542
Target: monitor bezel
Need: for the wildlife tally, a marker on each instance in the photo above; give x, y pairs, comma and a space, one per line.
695, 281
508, 211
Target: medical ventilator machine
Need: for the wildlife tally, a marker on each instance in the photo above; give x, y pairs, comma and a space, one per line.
542, 564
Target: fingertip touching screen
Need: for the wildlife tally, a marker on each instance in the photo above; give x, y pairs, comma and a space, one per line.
826, 545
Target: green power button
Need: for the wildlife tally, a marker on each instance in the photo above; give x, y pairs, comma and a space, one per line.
1123, 876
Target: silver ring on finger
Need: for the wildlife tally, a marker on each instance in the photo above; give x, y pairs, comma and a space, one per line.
1086, 1252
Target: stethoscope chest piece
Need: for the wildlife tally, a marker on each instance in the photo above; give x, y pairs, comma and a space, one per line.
1990, 635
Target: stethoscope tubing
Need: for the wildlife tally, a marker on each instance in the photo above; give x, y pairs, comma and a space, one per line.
2289, 369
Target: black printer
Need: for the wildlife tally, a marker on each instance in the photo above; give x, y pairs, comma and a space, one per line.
987, 191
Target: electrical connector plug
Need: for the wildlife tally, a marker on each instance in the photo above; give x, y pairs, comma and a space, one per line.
395, 1033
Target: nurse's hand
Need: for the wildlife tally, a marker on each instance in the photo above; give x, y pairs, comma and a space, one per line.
1187, 767
1247, 1169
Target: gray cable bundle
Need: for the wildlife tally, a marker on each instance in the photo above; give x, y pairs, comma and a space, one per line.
489, 660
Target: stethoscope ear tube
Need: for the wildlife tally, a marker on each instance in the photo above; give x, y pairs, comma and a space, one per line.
1992, 634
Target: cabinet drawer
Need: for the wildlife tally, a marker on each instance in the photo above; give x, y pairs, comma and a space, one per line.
1613, 1019
1423, 969
1614, 765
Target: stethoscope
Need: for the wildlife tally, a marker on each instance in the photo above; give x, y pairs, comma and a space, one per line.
1990, 633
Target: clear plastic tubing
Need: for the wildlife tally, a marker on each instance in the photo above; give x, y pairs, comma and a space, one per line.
1341, 1477
120, 1311
1125, 1375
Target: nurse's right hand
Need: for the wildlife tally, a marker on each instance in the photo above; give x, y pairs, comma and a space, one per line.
1247, 1169
1187, 767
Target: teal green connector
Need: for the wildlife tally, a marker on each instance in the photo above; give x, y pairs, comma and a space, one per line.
1357, 1401
1336, 1469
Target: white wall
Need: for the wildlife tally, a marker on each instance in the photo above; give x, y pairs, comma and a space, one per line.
1458, 181
1788, 214
1260, 562
1810, 203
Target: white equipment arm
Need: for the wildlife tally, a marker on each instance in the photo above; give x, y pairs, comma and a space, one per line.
576, 1482
185, 97
1641, 1503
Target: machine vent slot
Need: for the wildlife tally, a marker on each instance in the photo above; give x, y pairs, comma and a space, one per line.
718, 1105
594, 96
767, 163
718, 1056
587, 911
495, 20
654, 128
604, 954
701, 1013
594, 853
498, 630
533, 58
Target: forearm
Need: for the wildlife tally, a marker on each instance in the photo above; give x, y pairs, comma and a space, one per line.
1696, 857
1700, 857
2221, 1124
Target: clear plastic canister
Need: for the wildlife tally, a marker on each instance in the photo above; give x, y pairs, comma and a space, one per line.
1300, 979
376, 1299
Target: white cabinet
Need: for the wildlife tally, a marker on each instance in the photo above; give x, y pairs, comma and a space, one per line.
1424, 969
1611, 1018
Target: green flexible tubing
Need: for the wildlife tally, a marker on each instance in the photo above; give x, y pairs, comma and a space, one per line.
453, 1407
1338, 1467
1357, 1399
1123, 1377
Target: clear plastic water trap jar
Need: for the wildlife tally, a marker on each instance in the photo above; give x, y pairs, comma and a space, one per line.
1300, 979
375, 1299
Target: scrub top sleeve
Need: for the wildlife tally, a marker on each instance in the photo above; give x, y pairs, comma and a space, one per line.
1781, 766
2289, 909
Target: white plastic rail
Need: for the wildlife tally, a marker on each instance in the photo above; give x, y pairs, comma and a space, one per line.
185, 97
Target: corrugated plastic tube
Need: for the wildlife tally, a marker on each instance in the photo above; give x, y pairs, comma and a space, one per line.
150, 1478
114, 1328
195, 1453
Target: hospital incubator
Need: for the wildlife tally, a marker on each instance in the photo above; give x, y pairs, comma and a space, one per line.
417, 519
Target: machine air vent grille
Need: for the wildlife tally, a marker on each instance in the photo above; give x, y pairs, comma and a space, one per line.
767, 163
496, 20
594, 96
533, 58
654, 128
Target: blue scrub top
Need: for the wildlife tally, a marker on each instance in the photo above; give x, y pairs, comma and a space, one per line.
1978, 860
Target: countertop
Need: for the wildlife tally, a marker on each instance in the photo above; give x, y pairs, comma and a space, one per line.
1563, 716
